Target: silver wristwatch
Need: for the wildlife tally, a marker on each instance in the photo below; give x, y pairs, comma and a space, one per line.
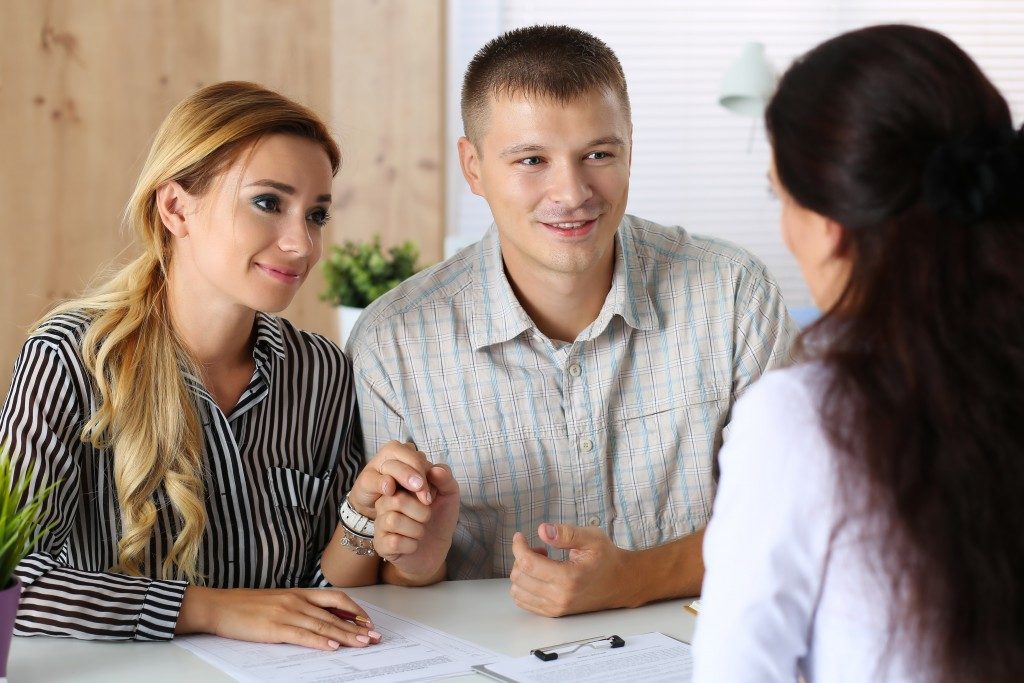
357, 529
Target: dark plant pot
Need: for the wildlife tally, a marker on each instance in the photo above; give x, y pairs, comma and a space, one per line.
9, 598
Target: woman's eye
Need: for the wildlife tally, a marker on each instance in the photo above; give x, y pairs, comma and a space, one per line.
319, 217
267, 203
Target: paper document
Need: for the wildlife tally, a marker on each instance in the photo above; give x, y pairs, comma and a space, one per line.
650, 657
408, 651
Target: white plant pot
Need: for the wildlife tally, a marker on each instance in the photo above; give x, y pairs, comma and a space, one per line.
347, 317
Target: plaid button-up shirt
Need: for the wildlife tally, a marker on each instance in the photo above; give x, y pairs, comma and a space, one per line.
618, 429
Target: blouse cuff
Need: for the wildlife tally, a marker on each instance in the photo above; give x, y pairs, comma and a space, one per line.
160, 609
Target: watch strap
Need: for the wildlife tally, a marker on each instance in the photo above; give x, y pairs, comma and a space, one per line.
351, 519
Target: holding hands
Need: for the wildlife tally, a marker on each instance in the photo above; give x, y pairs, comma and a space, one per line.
414, 505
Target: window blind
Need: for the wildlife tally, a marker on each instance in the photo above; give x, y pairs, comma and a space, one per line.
696, 164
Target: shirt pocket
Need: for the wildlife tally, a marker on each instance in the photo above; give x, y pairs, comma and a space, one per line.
298, 499
295, 488
660, 464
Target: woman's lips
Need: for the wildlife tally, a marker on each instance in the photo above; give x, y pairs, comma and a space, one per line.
280, 273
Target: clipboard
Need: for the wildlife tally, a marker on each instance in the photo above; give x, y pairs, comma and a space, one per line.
550, 653
582, 659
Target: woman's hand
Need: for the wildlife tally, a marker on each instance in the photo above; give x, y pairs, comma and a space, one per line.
298, 616
396, 465
415, 535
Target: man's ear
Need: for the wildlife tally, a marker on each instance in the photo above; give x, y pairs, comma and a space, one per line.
469, 160
174, 205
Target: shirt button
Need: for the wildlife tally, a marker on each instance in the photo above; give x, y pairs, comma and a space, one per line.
575, 370
594, 521
586, 445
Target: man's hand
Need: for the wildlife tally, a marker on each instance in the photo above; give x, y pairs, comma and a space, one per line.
596, 576
416, 536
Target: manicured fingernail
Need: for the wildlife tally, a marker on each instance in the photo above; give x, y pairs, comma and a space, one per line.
363, 639
550, 530
415, 482
334, 644
374, 635
428, 497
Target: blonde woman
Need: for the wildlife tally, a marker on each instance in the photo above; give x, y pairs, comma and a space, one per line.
203, 448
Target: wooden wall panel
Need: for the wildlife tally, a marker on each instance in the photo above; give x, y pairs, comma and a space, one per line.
85, 83
393, 162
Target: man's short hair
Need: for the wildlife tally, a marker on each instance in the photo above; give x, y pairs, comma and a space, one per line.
557, 62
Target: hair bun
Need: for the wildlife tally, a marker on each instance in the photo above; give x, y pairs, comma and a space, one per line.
977, 177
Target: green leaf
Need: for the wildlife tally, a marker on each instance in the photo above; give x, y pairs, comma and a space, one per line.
20, 513
357, 273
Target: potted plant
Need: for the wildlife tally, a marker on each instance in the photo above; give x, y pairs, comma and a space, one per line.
19, 516
357, 273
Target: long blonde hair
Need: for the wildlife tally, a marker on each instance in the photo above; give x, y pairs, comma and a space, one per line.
146, 413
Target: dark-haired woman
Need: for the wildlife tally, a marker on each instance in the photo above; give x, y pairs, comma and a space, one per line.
869, 523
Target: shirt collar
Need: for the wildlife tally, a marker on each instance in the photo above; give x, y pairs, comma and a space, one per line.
269, 338
498, 316
269, 346
629, 296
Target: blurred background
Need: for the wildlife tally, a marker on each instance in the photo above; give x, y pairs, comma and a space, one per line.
84, 84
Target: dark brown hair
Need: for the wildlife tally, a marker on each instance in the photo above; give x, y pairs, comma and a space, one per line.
895, 133
558, 62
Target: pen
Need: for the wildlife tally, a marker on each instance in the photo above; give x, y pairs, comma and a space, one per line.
349, 616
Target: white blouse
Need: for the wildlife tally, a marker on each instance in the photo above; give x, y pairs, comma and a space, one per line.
781, 596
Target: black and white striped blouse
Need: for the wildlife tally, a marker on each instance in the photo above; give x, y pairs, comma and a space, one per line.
276, 468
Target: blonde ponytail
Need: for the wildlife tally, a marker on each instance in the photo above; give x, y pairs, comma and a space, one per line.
146, 412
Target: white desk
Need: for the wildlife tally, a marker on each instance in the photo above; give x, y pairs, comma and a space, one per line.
479, 611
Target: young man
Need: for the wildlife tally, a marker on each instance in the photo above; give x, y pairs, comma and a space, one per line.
577, 366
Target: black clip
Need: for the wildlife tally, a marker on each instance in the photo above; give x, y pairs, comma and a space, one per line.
551, 652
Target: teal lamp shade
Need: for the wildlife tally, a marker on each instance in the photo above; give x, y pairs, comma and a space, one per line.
749, 82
